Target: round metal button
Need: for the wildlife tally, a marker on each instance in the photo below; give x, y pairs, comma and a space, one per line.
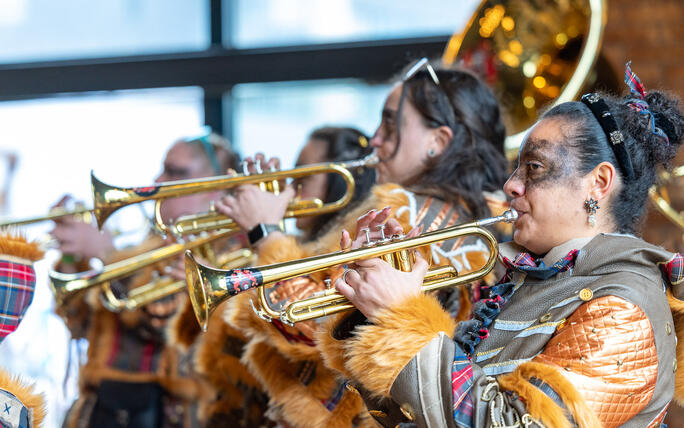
586, 294
407, 411
351, 388
668, 328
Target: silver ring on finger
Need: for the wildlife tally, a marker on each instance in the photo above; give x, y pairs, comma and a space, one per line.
346, 271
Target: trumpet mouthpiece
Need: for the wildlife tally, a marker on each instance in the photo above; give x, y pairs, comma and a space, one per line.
510, 216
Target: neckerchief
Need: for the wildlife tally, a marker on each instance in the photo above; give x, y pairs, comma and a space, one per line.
471, 332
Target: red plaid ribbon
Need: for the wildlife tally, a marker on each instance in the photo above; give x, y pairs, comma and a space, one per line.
674, 269
633, 81
17, 285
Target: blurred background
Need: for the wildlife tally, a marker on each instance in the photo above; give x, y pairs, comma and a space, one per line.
108, 86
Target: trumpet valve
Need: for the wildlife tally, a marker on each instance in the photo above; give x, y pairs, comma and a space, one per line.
369, 242
328, 283
383, 238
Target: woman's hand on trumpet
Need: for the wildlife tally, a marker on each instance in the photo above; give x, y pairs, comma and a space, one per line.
249, 205
372, 285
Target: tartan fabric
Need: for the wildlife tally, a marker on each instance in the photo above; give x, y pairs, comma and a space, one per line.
336, 396
674, 269
640, 105
634, 83
461, 384
17, 285
535, 268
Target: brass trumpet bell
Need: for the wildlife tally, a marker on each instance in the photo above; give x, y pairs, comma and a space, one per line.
209, 287
165, 286
66, 285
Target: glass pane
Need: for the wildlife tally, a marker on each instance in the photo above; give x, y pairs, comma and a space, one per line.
34, 30
285, 22
276, 118
122, 136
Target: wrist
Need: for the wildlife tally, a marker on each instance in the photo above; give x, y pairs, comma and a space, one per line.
261, 231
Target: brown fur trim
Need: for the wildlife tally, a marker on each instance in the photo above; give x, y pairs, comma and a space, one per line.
331, 349
378, 352
539, 405
241, 316
300, 405
218, 354
184, 329
677, 308
573, 400
15, 245
25, 392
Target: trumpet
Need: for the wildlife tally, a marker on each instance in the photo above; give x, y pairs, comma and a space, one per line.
66, 285
108, 199
85, 214
165, 286
209, 287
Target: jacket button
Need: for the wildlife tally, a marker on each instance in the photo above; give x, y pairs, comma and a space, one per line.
545, 317
407, 411
586, 294
378, 413
668, 328
674, 366
351, 388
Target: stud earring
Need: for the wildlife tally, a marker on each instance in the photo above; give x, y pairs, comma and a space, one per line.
431, 153
591, 206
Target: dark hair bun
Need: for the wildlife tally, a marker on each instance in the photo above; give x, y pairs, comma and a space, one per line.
668, 117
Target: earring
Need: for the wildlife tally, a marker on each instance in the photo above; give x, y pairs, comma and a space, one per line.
431, 153
591, 206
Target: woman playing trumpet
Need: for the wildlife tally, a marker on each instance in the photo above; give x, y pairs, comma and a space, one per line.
579, 330
440, 144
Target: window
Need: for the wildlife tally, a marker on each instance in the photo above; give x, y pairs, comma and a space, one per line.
38, 30
257, 23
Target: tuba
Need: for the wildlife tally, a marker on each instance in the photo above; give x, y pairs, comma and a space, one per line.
660, 197
209, 287
534, 54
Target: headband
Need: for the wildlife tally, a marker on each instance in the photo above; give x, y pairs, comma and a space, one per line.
616, 139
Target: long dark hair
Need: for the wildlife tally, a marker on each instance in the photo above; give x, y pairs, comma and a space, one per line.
590, 146
474, 161
342, 144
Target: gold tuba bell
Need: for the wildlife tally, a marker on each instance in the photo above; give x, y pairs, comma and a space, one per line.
661, 198
534, 54
209, 287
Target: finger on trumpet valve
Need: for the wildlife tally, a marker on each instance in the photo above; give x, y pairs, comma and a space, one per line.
381, 228
368, 242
